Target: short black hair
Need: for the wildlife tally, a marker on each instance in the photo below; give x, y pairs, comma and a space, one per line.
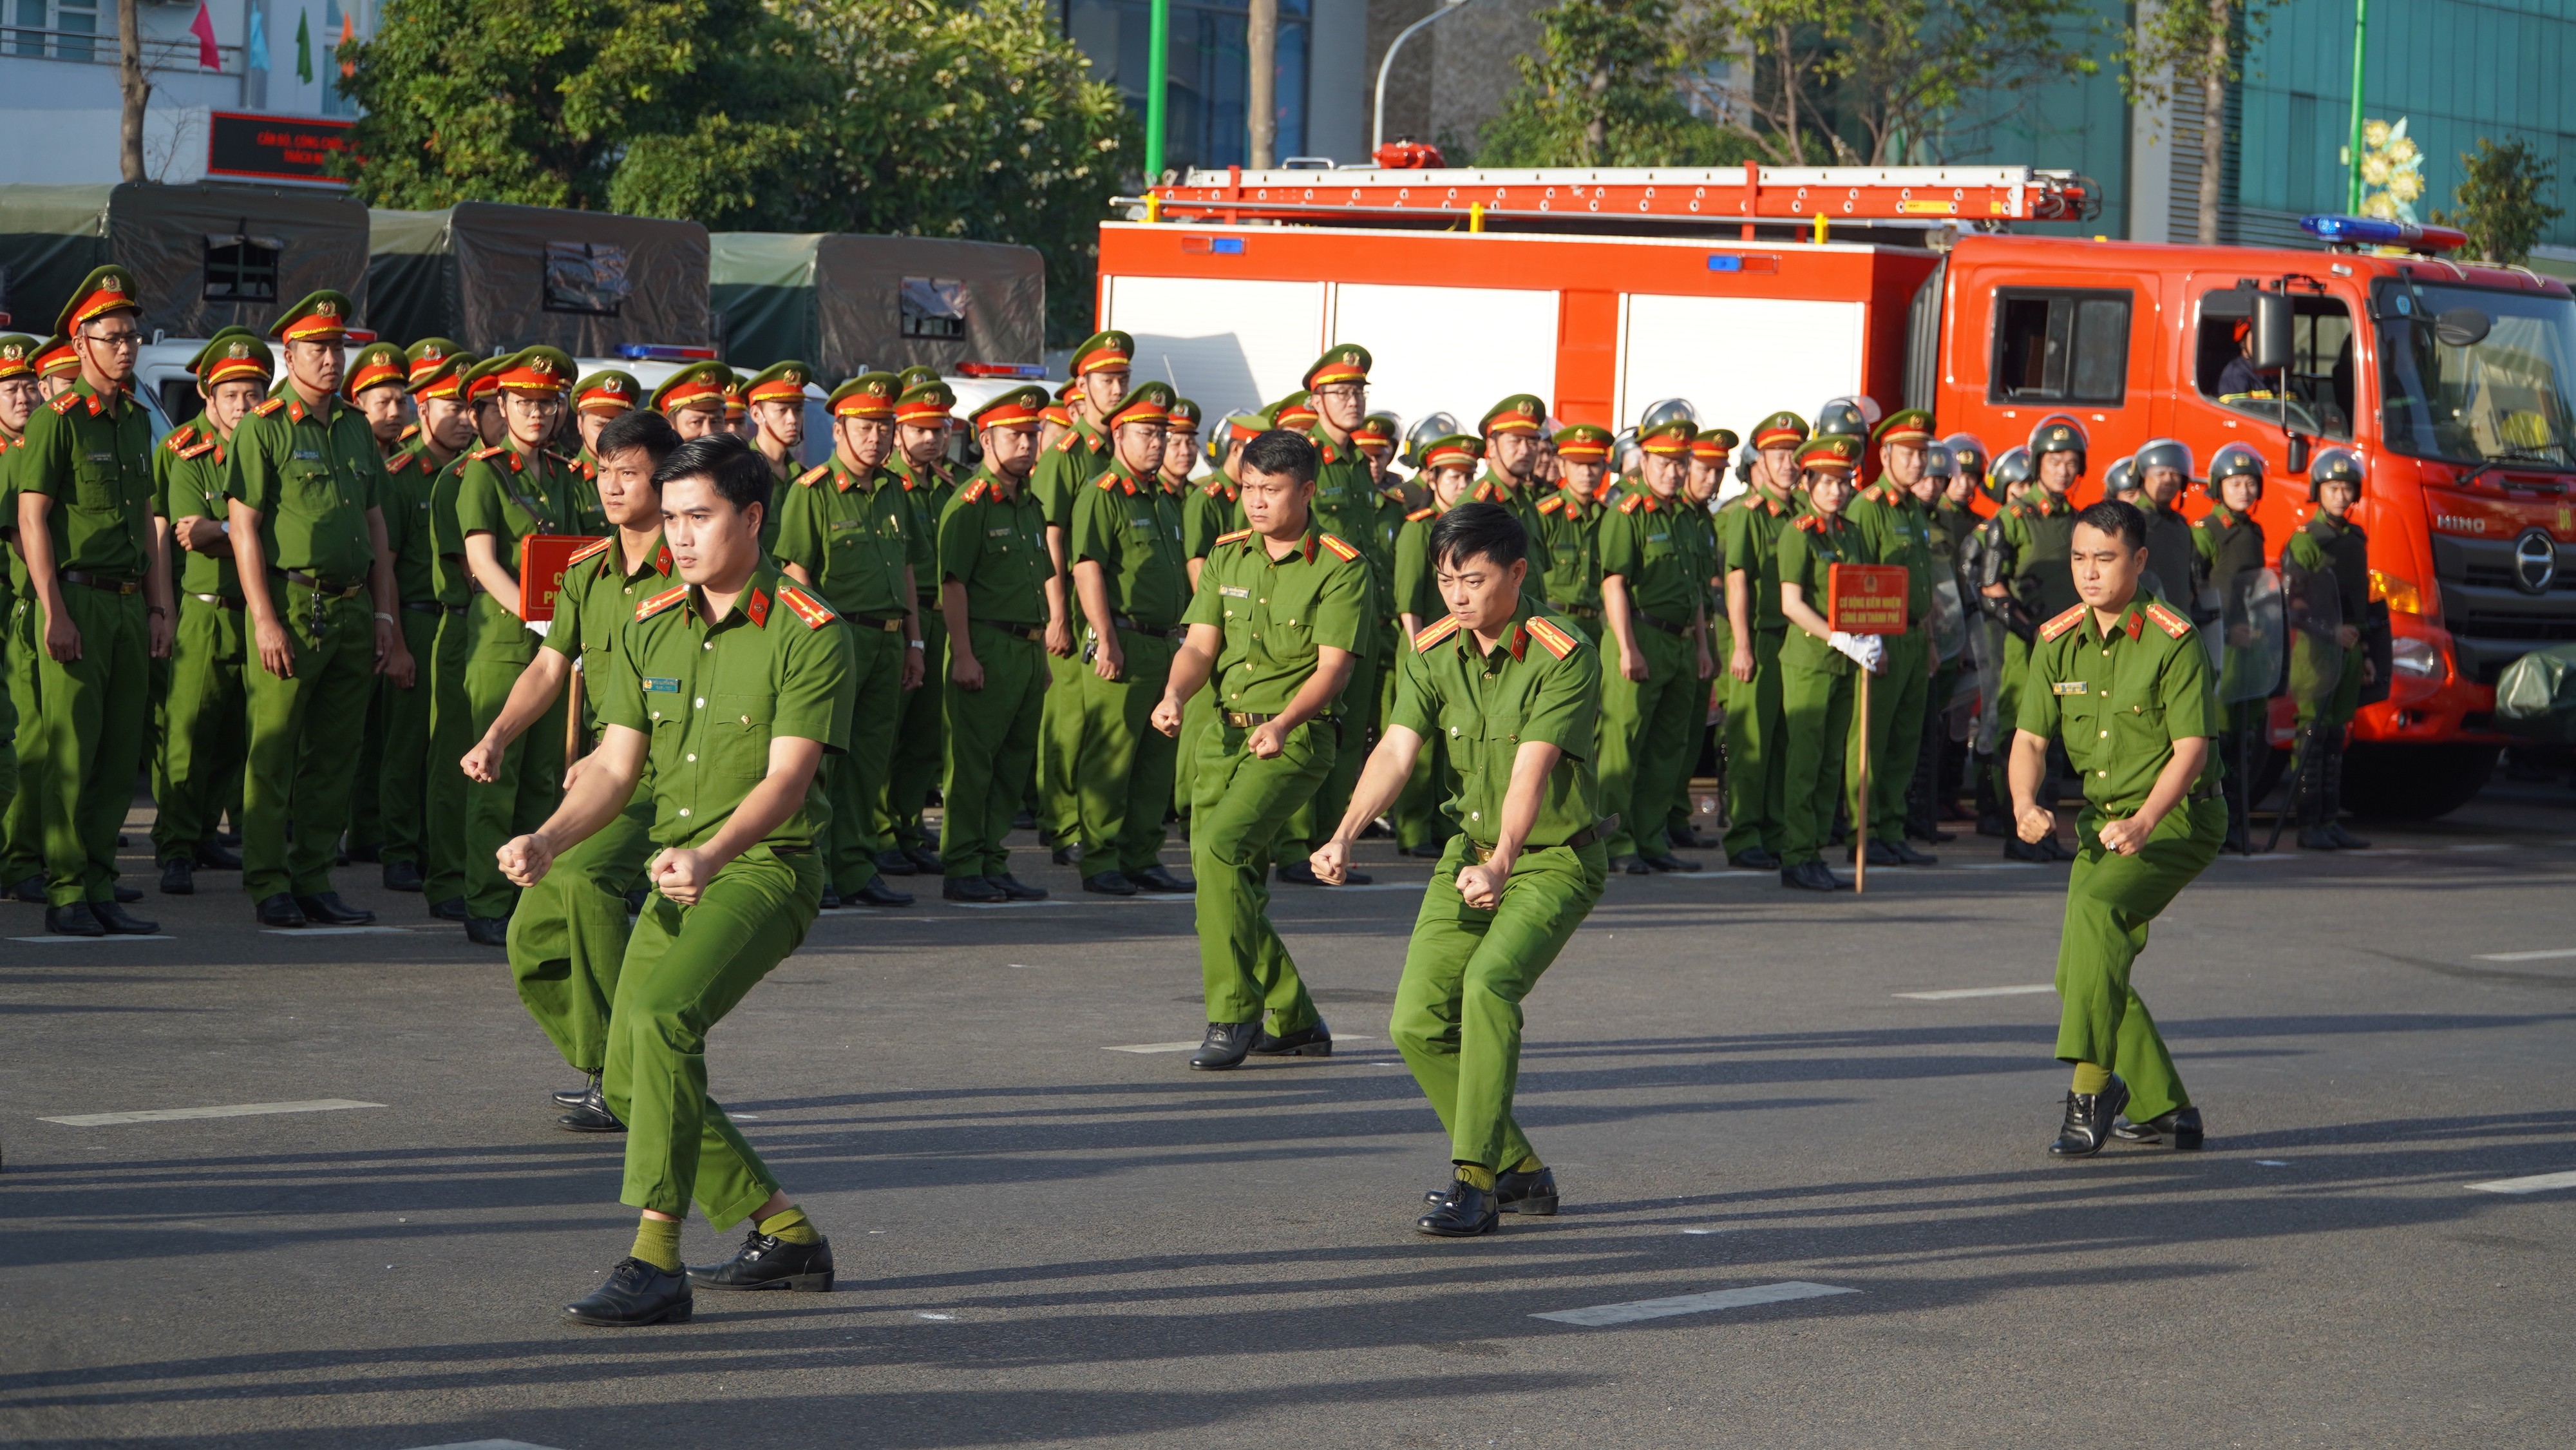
638, 428
2118, 517
739, 474
1473, 529
1282, 451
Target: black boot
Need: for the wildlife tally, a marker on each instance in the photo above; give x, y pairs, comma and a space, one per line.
895, 863
766, 1261
2233, 782
1467, 1212
329, 910
1226, 1045
2088, 1120
211, 856
636, 1293
402, 876
1991, 820
571, 1097
2309, 794
2333, 822
178, 878
1157, 879
488, 931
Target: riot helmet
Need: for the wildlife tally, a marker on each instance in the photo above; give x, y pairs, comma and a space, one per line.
1968, 457
1937, 462
2013, 471
2058, 433
2334, 465
2170, 453
2233, 461
1843, 417
1432, 428
2121, 478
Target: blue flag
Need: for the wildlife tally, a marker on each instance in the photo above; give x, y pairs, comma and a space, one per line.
255, 54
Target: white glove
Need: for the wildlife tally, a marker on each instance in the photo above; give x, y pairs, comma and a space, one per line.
538, 627
1865, 650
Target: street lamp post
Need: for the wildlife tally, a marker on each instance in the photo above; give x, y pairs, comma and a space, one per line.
2360, 48
1386, 68
1158, 84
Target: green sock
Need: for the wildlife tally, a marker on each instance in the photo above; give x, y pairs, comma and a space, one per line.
790, 1225
2091, 1078
657, 1242
1477, 1174
1529, 1164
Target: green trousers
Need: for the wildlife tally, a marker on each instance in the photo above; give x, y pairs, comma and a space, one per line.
1237, 822
914, 772
22, 829
156, 754
366, 823
1196, 716
301, 764
2007, 709
855, 781
451, 734
1060, 746
527, 780
401, 783
96, 712
202, 734
568, 937
685, 968
1457, 1016
2324, 680
992, 749
1644, 725
1756, 763
1354, 722
2110, 900
8, 719
1898, 698
1815, 724
1125, 784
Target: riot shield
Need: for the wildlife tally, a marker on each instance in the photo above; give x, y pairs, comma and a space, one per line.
2312, 604
2250, 639
1949, 620
1986, 644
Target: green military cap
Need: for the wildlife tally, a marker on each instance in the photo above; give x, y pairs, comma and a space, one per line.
537, 370
869, 395
18, 355
232, 354
917, 374
699, 385
377, 365
1519, 413
483, 379
1783, 429
784, 382
1144, 403
1251, 425
316, 317
1107, 351
1018, 410
1297, 411
1344, 362
609, 390
1185, 416
435, 357
1667, 437
1456, 450
106, 289
1584, 443
1726, 438
1829, 453
924, 403
1906, 425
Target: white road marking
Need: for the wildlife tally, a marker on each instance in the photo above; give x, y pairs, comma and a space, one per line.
2536, 1183
937, 1316
484, 1444
1192, 1044
1956, 992
48, 939
2551, 954
2271, 1162
1998, 866
228, 1110
1629, 1313
1003, 905
336, 930
2483, 846
1142, 898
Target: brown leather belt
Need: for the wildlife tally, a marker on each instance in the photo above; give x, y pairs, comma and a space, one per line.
890, 623
1666, 625
424, 606
101, 582
1245, 719
1600, 830
1121, 621
327, 591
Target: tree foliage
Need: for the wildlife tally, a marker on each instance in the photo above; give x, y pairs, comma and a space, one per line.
1605, 89
2187, 53
2500, 205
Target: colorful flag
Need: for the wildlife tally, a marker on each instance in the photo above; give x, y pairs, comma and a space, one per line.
348, 37
303, 47
203, 27
255, 54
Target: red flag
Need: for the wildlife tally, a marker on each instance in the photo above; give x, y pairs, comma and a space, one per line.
203, 27
348, 37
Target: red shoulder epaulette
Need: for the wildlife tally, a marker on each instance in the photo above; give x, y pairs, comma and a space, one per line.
2062, 623
1215, 487
1065, 443
814, 475
1325, 448
199, 451
1418, 515
1233, 537
813, 611
975, 491
2168, 621
401, 461
661, 601
1432, 634
64, 402
1558, 642
1812, 523
180, 436
1551, 503
263, 409
1631, 503
591, 550
1340, 550
480, 455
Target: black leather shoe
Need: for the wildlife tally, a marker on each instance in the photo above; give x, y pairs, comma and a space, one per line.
1466, 1213
1297, 872
329, 910
570, 1097
2345, 840
213, 857
2057, 850
1109, 883
1908, 856
2088, 1120
2017, 849
452, 909
1810, 876
1633, 866
895, 863
178, 878
31, 891
128, 894
120, 922
1689, 837
1994, 826
1025, 821
591, 1114
971, 888
488, 931
2182, 1125
1066, 855
1530, 1193
1011, 887
1156, 878
831, 900
767, 1262
1671, 862
1226, 1046
1882, 854
281, 911
1315, 1041
1824, 878
73, 920
877, 893
637, 1293
1754, 858
924, 860
403, 876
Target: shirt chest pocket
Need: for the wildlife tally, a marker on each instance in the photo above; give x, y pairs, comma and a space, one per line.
2136, 723
735, 739
1292, 612
309, 483
97, 483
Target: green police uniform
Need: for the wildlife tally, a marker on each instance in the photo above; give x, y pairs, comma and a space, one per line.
1816, 689
402, 785
202, 738
1420, 827
1209, 511
2030, 540
1132, 531
1896, 529
1457, 1016
1346, 505
382, 365
1276, 615
22, 828
1058, 479
2325, 677
992, 541
1748, 532
2120, 701
568, 937
2228, 545
1646, 725
710, 697
442, 370
914, 772
1697, 523
1569, 529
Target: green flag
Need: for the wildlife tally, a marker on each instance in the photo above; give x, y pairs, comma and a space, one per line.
303, 47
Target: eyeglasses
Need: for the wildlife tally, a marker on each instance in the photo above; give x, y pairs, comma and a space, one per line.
1342, 390
120, 341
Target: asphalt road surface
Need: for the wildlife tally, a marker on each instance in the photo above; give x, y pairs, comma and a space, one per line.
1759, 1104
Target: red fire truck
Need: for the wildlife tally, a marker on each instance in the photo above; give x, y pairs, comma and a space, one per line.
1748, 291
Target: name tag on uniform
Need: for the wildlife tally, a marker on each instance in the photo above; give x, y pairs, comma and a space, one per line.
1233, 592
102, 458
661, 684
308, 455
839, 524
1003, 532
1657, 538
2068, 687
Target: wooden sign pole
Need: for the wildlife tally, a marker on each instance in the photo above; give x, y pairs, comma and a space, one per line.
1860, 795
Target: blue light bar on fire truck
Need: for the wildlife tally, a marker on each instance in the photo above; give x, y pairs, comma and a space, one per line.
664, 352
2371, 231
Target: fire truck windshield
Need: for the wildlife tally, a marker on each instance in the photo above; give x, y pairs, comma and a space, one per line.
2509, 395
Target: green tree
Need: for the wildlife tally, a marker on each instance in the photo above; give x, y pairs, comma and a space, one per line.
1604, 89
2187, 50
2500, 205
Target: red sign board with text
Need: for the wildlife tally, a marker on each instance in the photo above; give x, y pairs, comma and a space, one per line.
542, 561
1866, 598
246, 146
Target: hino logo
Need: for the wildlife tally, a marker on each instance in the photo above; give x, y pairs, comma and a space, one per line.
2535, 561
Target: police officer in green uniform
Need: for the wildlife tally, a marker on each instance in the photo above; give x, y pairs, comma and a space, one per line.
1276, 625
1654, 610
2164, 471
305, 488
1517, 693
1209, 511
596, 399
1816, 660
1513, 430
98, 568
1131, 584
18, 399
2330, 661
22, 830
201, 734
725, 692
694, 399
505, 495
377, 386
1957, 465
921, 428
2124, 682
847, 532
1710, 450
568, 936
444, 380
1100, 376
1749, 532
1569, 523
2025, 577
773, 408
1896, 529
2229, 542
1447, 468
1001, 600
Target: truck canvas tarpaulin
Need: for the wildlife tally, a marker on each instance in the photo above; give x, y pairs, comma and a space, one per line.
491, 276
845, 302
208, 255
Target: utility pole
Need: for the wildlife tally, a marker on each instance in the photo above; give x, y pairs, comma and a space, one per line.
135, 90
1158, 85
1262, 95
2360, 50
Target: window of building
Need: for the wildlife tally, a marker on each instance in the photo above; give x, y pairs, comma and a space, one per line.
1207, 123
2060, 346
59, 29
934, 308
242, 268
2320, 374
